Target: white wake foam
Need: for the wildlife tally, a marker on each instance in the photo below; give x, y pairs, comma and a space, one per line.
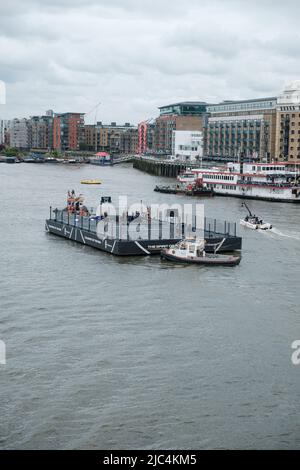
288, 234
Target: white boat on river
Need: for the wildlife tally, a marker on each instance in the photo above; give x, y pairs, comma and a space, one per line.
192, 251
254, 222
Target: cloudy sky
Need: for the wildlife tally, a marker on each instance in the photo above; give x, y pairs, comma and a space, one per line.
135, 55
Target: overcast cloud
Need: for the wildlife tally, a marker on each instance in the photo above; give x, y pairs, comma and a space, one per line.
135, 55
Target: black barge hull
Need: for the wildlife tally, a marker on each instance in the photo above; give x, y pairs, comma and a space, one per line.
123, 247
259, 198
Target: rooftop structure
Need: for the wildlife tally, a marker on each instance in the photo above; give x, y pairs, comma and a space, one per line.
257, 104
185, 108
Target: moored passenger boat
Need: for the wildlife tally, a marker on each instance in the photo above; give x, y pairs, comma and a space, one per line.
266, 181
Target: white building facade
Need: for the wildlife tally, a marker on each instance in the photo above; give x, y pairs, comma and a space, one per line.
187, 145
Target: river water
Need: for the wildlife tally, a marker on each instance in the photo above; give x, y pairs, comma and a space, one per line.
107, 353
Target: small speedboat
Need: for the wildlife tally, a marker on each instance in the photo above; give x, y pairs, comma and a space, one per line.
90, 182
192, 251
254, 222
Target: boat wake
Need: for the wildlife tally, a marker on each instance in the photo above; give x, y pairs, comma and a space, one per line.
293, 235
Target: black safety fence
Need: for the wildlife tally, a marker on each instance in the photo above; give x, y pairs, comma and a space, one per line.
145, 228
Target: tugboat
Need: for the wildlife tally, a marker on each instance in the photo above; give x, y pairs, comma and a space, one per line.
195, 188
169, 189
254, 222
192, 251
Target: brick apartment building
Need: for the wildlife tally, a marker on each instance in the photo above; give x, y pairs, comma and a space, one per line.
68, 131
146, 131
111, 138
184, 116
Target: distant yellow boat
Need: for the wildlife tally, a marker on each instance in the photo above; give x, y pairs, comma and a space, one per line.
90, 182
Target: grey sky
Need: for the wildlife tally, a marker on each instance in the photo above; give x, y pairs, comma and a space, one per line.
135, 55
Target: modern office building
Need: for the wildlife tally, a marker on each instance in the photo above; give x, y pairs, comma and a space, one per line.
68, 131
245, 127
185, 108
184, 116
166, 124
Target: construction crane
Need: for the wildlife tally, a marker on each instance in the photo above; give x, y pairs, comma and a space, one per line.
95, 108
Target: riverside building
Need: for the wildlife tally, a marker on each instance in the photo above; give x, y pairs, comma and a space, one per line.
146, 131
187, 145
20, 134
184, 116
111, 138
4, 130
288, 124
244, 127
41, 128
68, 131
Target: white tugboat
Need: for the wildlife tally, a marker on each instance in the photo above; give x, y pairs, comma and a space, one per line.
254, 222
192, 251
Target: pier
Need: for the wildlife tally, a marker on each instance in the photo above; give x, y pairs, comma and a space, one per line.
162, 167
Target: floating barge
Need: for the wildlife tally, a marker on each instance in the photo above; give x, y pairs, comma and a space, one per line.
194, 191
135, 239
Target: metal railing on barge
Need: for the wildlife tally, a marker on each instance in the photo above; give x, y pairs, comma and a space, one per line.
122, 228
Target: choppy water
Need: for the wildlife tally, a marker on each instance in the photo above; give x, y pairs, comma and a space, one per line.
107, 353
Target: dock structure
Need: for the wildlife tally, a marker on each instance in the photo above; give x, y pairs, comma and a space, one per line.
134, 238
162, 167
